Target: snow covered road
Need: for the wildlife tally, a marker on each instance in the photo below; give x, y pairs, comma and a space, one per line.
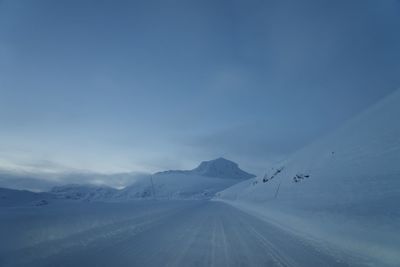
187, 233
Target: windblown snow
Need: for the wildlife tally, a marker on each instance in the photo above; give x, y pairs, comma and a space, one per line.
344, 187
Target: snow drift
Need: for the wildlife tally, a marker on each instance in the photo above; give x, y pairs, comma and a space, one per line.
344, 187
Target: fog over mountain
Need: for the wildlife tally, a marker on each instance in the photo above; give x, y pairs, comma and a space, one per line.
202, 182
38, 181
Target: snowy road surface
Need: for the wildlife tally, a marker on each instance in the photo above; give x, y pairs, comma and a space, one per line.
189, 233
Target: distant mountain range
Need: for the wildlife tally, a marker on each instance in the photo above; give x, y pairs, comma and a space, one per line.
12, 197
202, 182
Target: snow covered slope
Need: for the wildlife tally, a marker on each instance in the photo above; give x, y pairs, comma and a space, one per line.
350, 178
175, 186
84, 192
200, 183
11, 197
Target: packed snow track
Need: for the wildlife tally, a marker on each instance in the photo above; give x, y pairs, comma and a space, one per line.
179, 233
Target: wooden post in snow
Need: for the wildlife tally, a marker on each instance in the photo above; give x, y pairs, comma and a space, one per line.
277, 189
152, 187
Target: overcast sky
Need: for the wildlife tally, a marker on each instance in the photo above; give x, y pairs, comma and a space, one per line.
116, 86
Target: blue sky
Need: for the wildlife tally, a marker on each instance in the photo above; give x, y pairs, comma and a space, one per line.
115, 86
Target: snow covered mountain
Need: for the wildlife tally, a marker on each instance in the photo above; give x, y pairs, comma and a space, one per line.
12, 197
349, 178
84, 192
200, 183
175, 186
220, 168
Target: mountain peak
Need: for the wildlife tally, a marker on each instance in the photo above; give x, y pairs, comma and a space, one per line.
221, 168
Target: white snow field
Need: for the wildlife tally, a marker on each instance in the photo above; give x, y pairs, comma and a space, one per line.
176, 225
334, 203
153, 233
343, 189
